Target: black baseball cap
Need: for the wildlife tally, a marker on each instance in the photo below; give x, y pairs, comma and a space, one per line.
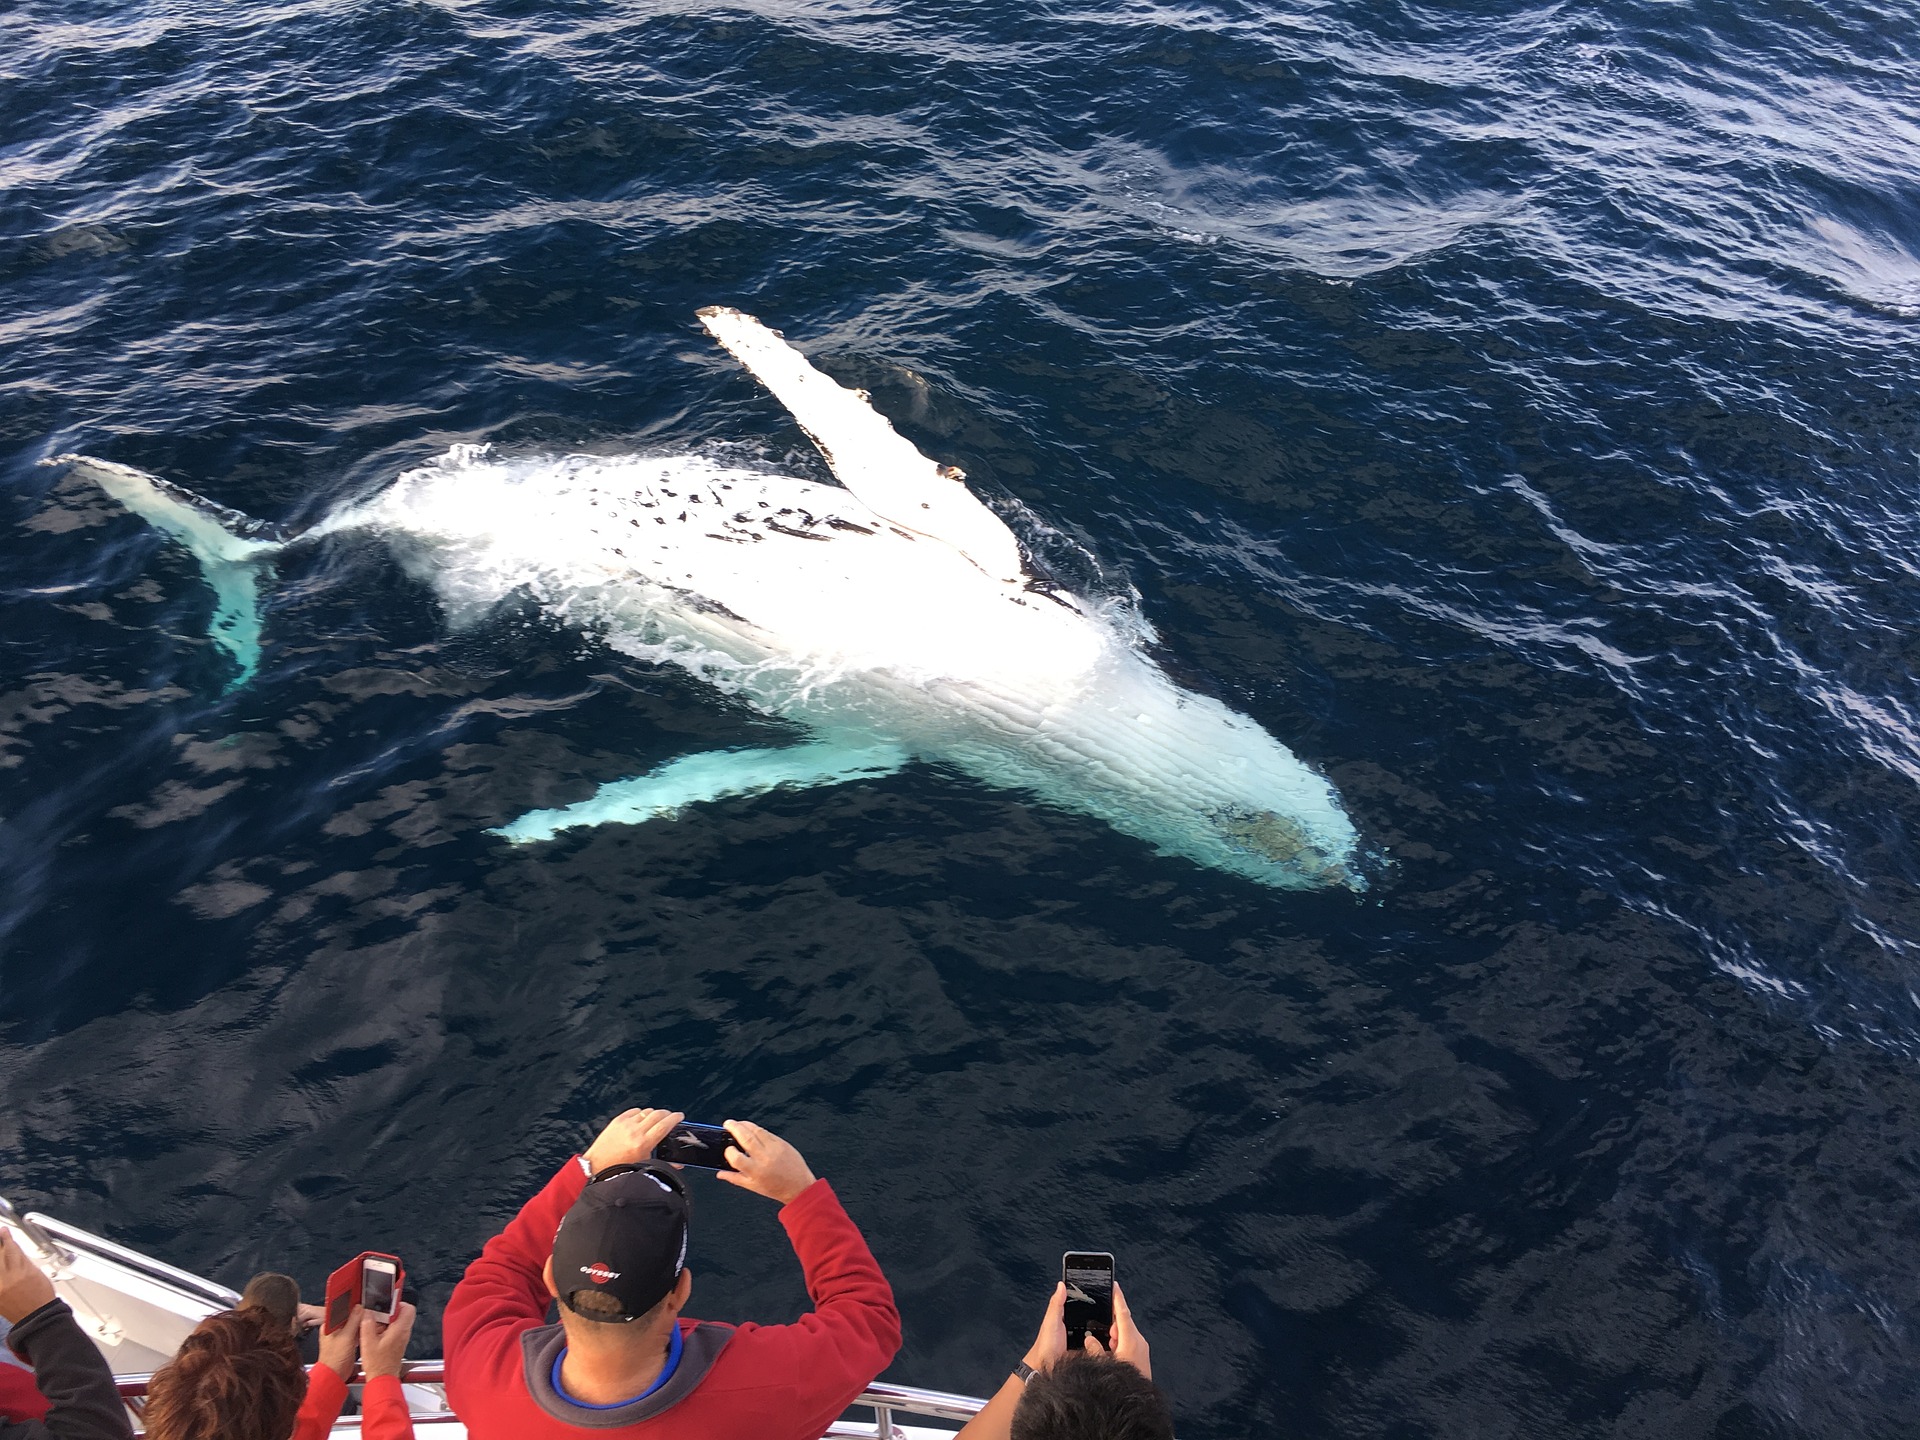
624, 1240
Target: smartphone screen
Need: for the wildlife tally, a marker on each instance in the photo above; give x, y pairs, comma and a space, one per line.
1089, 1277
691, 1144
376, 1288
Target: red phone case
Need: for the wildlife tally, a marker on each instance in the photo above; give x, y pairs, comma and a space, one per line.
343, 1287
343, 1293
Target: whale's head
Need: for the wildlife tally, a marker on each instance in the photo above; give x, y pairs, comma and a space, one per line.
1202, 780
1281, 848
1181, 771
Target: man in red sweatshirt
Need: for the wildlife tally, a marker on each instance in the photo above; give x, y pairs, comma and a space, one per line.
607, 1238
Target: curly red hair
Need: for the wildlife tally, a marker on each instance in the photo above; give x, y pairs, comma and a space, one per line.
238, 1376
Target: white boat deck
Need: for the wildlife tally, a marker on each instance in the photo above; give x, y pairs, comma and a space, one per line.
138, 1310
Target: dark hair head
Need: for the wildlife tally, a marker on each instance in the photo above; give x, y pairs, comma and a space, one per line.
278, 1295
1091, 1397
596, 1305
238, 1376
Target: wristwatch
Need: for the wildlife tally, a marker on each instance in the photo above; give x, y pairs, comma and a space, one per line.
1024, 1372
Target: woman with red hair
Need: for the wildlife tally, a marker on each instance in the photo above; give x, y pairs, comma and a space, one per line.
238, 1376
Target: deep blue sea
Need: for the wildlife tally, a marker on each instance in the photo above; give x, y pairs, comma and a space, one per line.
1512, 408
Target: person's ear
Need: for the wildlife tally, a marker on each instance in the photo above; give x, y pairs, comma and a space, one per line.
546, 1274
682, 1291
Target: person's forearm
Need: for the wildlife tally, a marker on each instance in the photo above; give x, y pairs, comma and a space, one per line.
383, 1410
73, 1376
326, 1394
850, 1292
995, 1422
505, 1280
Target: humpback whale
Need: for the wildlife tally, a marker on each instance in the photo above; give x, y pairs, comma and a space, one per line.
891, 618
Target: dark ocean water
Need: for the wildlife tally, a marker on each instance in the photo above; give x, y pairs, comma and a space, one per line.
1513, 408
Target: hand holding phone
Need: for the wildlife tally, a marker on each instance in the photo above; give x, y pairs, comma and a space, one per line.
340, 1349
762, 1162
691, 1143
1088, 1276
1129, 1345
630, 1137
370, 1280
23, 1288
1051, 1342
383, 1348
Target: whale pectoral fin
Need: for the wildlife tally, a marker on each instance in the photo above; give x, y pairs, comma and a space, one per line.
873, 460
661, 794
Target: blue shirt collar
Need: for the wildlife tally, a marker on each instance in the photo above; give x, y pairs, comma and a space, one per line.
674, 1346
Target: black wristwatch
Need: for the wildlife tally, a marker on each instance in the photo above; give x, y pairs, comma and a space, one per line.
1024, 1372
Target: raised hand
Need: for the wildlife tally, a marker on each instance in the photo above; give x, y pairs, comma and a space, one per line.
338, 1350
630, 1137
23, 1289
764, 1163
1129, 1345
383, 1348
1051, 1343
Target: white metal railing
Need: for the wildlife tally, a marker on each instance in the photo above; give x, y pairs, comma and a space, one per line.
29, 1226
58, 1242
884, 1400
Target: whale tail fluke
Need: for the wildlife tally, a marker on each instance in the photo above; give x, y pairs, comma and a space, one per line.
662, 793
233, 549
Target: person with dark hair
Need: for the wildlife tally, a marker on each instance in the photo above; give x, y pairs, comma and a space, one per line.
1060, 1394
279, 1296
607, 1239
71, 1395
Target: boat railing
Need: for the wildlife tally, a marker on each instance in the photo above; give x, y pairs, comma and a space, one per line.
883, 1400
59, 1244
30, 1226
61, 1247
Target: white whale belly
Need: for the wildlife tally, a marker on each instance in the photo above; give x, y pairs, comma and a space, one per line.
655, 552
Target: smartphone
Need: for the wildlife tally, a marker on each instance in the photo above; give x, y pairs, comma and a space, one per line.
702, 1145
380, 1286
369, 1279
1089, 1277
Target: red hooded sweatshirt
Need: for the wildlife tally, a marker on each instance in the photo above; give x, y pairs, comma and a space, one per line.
744, 1382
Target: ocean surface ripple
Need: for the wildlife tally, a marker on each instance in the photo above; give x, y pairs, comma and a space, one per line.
1513, 409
